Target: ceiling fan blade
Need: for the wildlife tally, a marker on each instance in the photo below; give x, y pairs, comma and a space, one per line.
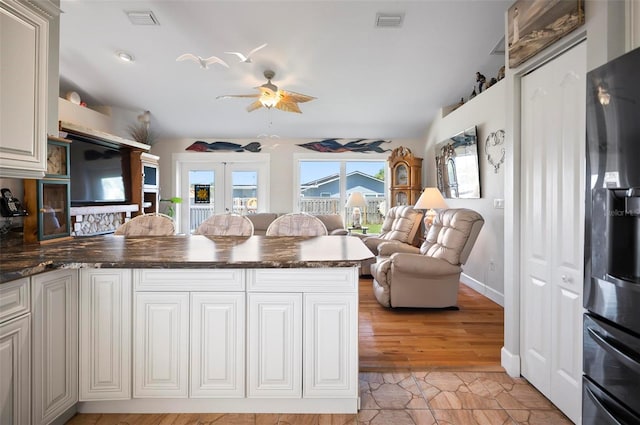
288, 106
291, 96
255, 105
227, 96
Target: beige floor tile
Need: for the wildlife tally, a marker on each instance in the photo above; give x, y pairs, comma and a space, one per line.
472, 417
523, 396
389, 417
539, 417
365, 416
422, 417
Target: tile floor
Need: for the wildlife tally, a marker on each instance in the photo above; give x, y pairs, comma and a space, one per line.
397, 398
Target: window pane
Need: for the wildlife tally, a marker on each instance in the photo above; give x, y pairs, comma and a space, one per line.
201, 196
245, 191
320, 187
367, 177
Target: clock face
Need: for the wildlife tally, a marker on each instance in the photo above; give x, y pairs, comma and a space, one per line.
402, 175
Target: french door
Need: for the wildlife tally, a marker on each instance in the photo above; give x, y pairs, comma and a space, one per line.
219, 187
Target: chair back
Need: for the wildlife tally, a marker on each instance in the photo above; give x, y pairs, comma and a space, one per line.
401, 224
148, 225
225, 225
297, 224
452, 235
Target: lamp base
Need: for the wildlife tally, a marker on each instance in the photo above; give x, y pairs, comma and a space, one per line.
355, 217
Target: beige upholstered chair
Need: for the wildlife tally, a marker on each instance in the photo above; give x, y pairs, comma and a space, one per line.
407, 276
297, 224
334, 224
148, 225
225, 225
261, 222
401, 224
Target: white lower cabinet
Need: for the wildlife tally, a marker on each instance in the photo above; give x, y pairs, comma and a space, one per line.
275, 345
15, 385
55, 344
303, 333
330, 345
189, 334
105, 334
161, 344
257, 340
217, 344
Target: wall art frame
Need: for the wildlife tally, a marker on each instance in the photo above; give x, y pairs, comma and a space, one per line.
534, 25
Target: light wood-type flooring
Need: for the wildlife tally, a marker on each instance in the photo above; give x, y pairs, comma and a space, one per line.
418, 367
421, 339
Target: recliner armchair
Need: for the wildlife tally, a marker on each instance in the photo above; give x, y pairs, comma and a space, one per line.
401, 224
407, 276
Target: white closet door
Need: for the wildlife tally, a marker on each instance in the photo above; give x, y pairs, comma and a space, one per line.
553, 161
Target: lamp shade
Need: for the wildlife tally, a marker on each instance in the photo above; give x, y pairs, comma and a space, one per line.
356, 200
431, 198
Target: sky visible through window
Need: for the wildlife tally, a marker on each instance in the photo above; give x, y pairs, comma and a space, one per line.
313, 170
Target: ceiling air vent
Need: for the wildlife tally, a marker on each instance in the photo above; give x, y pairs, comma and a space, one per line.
142, 17
388, 20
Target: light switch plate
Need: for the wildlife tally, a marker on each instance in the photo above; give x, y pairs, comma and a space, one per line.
498, 204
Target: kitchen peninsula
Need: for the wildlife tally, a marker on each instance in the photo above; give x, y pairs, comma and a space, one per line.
190, 323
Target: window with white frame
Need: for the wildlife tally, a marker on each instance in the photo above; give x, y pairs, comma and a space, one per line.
324, 186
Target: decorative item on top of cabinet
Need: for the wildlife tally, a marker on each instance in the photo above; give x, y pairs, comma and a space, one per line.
48, 200
406, 176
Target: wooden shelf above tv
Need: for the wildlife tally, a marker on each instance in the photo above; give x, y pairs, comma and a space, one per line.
101, 136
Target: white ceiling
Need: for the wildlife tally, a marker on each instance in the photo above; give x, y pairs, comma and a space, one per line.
369, 82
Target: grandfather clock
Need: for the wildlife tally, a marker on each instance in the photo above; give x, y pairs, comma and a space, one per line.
406, 176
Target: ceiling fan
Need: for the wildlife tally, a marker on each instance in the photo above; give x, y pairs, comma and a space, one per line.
271, 96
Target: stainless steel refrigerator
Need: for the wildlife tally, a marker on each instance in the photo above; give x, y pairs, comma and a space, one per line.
611, 353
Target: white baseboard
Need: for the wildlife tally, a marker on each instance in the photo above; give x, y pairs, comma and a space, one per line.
483, 289
510, 362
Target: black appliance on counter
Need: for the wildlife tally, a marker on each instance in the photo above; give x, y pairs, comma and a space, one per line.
611, 352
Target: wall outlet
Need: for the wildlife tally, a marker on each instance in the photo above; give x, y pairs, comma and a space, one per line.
498, 204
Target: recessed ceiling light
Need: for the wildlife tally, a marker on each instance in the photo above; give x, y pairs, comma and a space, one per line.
124, 56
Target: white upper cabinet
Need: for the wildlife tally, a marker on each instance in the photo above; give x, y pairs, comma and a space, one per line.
24, 49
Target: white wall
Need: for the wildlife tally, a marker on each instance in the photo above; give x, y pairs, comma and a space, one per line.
484, 269
281, 167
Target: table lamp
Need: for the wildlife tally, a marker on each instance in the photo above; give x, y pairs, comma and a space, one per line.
356, 201
430, 199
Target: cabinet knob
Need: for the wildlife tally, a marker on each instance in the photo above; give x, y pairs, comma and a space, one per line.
566, 279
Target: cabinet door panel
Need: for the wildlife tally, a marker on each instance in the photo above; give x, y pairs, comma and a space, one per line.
15, 385
161, 344
55, 343
217, 344
330, 345
275, 345
24, 91
105, 334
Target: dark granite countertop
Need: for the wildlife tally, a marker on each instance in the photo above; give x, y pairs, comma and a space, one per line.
183, 252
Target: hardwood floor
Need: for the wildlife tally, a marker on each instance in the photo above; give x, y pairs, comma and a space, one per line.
427, 339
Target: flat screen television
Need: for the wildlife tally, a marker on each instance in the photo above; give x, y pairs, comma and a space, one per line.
97, 173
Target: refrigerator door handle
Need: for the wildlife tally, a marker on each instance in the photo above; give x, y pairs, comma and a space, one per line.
623, 357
